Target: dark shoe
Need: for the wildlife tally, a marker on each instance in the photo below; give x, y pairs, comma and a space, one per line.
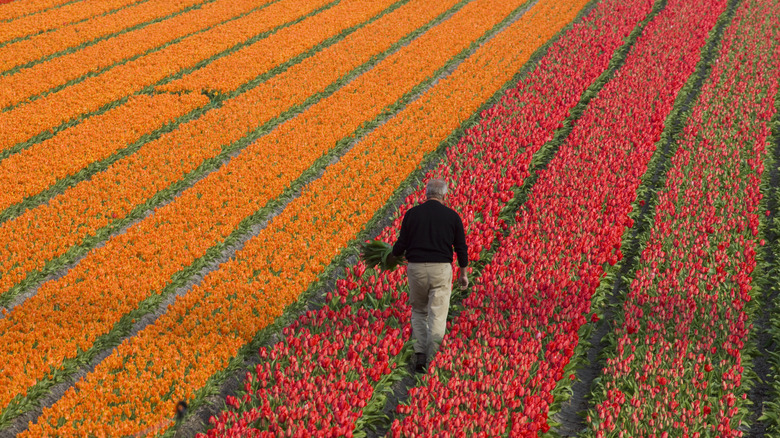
420, 362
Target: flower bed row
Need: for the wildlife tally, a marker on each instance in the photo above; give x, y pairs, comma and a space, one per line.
29, 19
507, 352
76, 36
205, 328
33, 170
20, 9
135, 182
140, 263
41, 172
233, 23
676, 362
299, 382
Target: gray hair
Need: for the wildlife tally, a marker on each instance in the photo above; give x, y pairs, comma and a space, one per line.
436, 188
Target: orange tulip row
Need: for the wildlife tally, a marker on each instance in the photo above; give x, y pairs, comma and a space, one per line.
139, 263
202, 330
56, 17
230, 72
13, 9
49, 231
73, 35
35, 169
23, 85
72, 102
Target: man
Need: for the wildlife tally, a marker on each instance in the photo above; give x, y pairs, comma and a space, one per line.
429, 232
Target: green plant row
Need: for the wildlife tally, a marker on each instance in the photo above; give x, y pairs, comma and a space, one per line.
767, 281
123, 328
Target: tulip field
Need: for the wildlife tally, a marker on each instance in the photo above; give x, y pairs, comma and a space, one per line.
186, 185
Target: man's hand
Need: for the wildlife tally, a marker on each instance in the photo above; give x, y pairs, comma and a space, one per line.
463, 280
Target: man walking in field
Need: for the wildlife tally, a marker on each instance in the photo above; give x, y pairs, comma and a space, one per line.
429, 232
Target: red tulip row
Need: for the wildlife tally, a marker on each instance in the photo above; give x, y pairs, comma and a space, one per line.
767, 320
677, 363
328, 375
506, 353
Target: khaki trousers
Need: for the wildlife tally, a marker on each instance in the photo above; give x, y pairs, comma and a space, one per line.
430, 286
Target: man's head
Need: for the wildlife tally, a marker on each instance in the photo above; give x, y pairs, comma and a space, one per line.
436, 189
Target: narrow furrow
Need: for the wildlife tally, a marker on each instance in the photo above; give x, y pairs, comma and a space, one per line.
208, 305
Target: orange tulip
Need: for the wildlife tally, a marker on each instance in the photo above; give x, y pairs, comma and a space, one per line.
33, 170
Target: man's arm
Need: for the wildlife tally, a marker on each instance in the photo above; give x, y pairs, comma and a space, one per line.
461, 249
403, 238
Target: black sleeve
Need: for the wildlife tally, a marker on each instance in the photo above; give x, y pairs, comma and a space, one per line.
403, 238
461, 249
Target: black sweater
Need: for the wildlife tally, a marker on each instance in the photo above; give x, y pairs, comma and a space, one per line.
429, 232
